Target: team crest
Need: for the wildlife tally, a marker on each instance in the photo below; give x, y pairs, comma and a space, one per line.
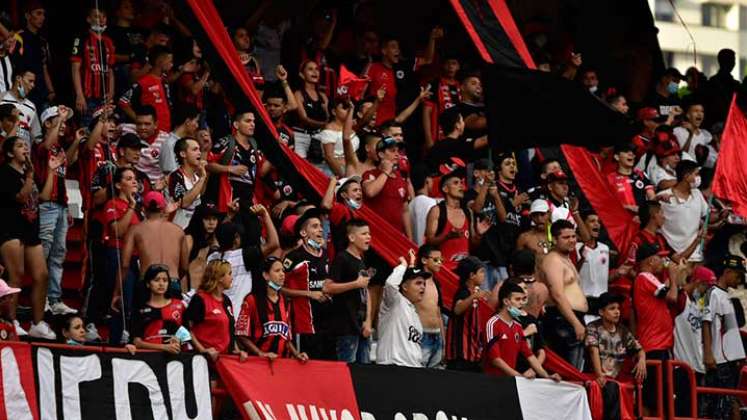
400, 74
639, 184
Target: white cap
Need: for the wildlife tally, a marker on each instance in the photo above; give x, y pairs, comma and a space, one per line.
539, 206
342, 181
52, 112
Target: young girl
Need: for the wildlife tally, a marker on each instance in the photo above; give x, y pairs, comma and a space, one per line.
264, 324
199, 242
157, 325
74, 332
209, 314
313, 113
7, 328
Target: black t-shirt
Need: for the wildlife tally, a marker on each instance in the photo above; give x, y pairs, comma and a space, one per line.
126, 39
467, 110
445, 149
349, 307
14, 215
535, 341
243, 186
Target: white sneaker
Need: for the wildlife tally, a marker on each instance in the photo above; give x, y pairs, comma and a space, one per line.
125, 337
59, 308
42, 330
47, 308
92, 333
19, 329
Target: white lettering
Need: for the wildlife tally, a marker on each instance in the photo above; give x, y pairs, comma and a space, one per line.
125, 372
200, 383
266, 410
367, 416
73, 371
16, 403
45, 376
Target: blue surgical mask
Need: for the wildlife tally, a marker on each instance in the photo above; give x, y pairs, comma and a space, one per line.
672, 87
274, 286
71, 342
514, 312
313, 244
21, 91
354, 204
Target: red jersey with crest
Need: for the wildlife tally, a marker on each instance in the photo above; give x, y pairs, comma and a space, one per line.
383, 76
391, 200
158, 325
95, 53
212, 321
153, 91
271, 334
506, 341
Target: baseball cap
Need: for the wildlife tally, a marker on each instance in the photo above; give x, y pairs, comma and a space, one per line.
130, 141
6, 290
650, 113
386, 143
624, 147
287, 228
153, 200
666, 148
341, 183
456, 173
557, 176
414, 273
311, 213
52, 112
704, 275
209, 209
646, 250
734, 262
539, 206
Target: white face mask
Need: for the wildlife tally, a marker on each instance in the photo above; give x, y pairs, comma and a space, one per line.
696, 182
98, 28
593, 89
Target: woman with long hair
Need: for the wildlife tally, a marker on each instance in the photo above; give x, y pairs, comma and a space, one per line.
313, 113
264, 327
210, 316
331, 138
20, 246
199, 242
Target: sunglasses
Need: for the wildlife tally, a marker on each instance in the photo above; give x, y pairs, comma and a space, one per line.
436, 259
528, 279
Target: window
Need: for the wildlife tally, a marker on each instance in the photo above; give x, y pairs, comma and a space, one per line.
663, 11
714, 15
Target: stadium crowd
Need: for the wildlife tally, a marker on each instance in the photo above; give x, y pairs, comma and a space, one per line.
196, 242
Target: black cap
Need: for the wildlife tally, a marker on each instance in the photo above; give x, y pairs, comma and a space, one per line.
311, 213
208, 209
386, 143
607, 298
734, 262
457, 173
624, 147
483, 165
130, 141
414, 273
646, 250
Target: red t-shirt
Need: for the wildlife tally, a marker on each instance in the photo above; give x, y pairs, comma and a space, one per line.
113, 210
380, 75
41, 157
274, 334
655, 329
7, 331
391, 200
211, 321
645, 237
505, 341
151, 90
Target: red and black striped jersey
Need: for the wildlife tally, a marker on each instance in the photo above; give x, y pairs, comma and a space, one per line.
463, 340
304, 271
270, 335
95, 53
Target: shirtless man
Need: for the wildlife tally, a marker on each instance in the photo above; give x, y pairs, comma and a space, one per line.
564, 326
535, 239
156, 241
428, 308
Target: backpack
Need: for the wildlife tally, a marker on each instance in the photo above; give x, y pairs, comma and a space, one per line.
443, 215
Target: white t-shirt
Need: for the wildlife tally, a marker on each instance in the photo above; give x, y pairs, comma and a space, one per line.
419, 207
242, 278
400, 330
726, 343
682, 221
659, 174
703, 137
29, 127
688, 335
150, 157
595, 270
327, 136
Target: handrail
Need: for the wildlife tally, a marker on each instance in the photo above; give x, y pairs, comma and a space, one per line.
659, 385
695, 390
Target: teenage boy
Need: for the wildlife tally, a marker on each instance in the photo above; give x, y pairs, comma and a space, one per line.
505, 338
350, 298
723, 351
429, 308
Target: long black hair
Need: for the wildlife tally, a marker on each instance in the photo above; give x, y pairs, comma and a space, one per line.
259, 288
196, 229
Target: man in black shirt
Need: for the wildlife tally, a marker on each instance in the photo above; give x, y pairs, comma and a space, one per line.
454, 144
351, 301
35, 55
472, 107
306, 270
126, 39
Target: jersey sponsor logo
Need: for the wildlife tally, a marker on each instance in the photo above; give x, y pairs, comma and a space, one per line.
272, 328
414, 335
316, 284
